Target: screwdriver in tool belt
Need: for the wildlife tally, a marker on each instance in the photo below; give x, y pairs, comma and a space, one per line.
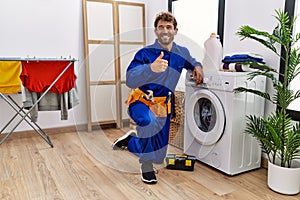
168, 103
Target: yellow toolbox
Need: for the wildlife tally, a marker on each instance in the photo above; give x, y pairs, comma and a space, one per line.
180, 162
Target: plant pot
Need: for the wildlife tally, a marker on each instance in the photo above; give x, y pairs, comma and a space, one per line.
284, 180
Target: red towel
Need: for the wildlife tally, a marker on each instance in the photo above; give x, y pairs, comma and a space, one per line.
37, 76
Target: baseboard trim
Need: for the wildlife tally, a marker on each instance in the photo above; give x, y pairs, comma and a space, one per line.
49, 131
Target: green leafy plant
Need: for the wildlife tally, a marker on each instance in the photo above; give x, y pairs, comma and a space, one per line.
278, 135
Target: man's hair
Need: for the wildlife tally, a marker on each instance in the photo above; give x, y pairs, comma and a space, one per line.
165, 16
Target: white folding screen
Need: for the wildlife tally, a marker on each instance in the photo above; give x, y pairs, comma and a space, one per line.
130, 23
114, 31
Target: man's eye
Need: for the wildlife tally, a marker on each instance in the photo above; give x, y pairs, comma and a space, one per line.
162, 28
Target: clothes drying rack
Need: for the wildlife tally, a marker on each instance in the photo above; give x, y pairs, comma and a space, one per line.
20, 110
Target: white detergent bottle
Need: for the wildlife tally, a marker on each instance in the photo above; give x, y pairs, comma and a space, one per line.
213, 54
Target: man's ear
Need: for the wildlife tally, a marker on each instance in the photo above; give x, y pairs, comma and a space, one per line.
176, 30
155, 31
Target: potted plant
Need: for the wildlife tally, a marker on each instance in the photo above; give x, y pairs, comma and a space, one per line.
278, 135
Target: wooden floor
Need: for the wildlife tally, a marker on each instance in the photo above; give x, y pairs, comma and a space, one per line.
83, 166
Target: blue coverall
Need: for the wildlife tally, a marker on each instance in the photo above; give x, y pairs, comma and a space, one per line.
153, 132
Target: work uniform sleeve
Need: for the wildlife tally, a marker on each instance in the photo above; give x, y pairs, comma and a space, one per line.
191, 62
139, 72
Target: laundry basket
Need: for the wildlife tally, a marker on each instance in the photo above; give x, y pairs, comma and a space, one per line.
177, 122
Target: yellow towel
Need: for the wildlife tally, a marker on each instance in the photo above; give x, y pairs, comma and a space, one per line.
10, 77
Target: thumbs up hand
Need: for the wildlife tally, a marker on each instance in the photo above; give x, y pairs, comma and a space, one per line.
159, 65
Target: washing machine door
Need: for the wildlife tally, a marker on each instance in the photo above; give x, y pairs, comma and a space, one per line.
205, 116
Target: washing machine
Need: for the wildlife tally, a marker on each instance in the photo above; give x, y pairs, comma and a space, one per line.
215, 120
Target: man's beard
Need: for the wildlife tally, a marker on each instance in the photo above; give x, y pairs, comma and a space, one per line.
166, 41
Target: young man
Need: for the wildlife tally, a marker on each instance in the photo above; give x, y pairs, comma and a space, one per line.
153, 75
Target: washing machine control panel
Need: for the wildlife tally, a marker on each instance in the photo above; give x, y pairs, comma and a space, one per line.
218, 82
213, 81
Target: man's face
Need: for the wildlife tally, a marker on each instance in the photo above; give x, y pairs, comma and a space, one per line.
165, 32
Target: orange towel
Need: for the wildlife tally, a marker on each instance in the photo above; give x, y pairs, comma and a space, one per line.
10, 82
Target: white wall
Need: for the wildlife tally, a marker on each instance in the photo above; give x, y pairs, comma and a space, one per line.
295, 105
196, 21
44, 29
52, 28
258, 14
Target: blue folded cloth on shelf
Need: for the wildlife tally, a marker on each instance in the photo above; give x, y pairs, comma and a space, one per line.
243, 58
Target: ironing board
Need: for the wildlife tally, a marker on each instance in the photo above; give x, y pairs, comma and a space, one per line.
20, 110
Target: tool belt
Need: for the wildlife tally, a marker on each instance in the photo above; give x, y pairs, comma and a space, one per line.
160, 106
